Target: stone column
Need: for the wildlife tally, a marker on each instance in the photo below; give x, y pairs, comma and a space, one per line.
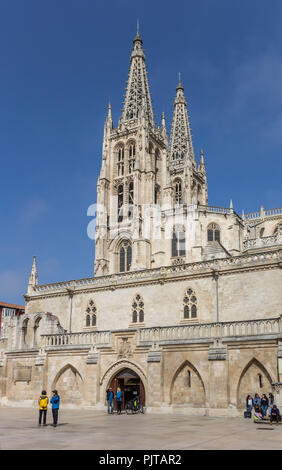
92, 377
277, 392
218, 378
155, 381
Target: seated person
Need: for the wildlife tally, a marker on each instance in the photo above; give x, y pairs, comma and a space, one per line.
257, 413
274, 414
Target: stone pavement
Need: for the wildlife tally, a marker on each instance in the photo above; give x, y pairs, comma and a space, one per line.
87, 429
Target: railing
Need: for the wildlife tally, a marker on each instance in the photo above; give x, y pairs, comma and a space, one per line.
263, 213
167, 334
89, 338
262, 242
160, 273
215, 209
210, 331
270, 212
65, 285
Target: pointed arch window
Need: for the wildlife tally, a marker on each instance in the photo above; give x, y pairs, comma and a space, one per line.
178, 196
190, 304
131, 160
157, 164
138, 309
178, 242
120, 202
213, 233
120, 162
157, 194
91, 315
130, 199
260, 380
125, 256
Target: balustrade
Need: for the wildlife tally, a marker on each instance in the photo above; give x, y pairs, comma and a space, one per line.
263, 214
210, 331
100, 338
262, 242
158, 273
168, 334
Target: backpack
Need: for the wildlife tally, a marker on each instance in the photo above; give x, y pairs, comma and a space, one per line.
43, 402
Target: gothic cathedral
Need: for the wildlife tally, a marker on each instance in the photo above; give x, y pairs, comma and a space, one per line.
184, 309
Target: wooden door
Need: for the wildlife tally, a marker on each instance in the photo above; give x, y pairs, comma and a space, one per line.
142, 393
115, 383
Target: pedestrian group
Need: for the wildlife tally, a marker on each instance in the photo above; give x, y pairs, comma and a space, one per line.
110, 400
43, 402
262, 406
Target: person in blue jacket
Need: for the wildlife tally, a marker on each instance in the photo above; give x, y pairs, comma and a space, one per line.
110, 399
119, 400
257, 400
55, 401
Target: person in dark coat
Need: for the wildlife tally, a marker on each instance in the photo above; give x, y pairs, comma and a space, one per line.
264, 405
119, 400
249, 403
274, 414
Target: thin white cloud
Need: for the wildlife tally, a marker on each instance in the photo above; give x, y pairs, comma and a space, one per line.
34, 209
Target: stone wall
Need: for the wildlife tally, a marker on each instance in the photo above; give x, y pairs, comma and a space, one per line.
200, 377
242, 294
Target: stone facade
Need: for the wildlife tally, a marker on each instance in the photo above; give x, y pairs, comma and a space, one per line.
185, 305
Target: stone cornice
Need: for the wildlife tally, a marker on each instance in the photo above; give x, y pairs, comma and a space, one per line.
226, 266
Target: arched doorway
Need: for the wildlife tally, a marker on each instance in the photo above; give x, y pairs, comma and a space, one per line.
254, 379
130, 384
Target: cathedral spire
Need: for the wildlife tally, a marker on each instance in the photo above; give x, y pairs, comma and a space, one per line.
181, 146
137, 92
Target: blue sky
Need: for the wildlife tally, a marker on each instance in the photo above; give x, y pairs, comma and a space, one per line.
61, 61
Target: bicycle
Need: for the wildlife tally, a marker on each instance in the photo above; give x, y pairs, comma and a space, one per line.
134, 406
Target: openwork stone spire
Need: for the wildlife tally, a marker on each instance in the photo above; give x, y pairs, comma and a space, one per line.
137, 95
33, 278
181, 146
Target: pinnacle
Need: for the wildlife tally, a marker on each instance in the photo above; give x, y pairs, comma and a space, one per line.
181, 147
137, 95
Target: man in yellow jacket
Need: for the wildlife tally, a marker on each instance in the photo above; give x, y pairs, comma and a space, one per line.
43, 402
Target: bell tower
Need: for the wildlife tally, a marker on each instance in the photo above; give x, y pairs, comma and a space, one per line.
134, 162
188, 180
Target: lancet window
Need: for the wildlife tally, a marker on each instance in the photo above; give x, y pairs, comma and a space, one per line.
178, 196
157, 194
91, 314
125, 256
130, 199
120, 161
189, 304
178, 242
138, 309
213, 233
120, 202
131, 157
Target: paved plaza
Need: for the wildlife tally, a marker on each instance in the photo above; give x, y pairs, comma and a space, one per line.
85, 429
